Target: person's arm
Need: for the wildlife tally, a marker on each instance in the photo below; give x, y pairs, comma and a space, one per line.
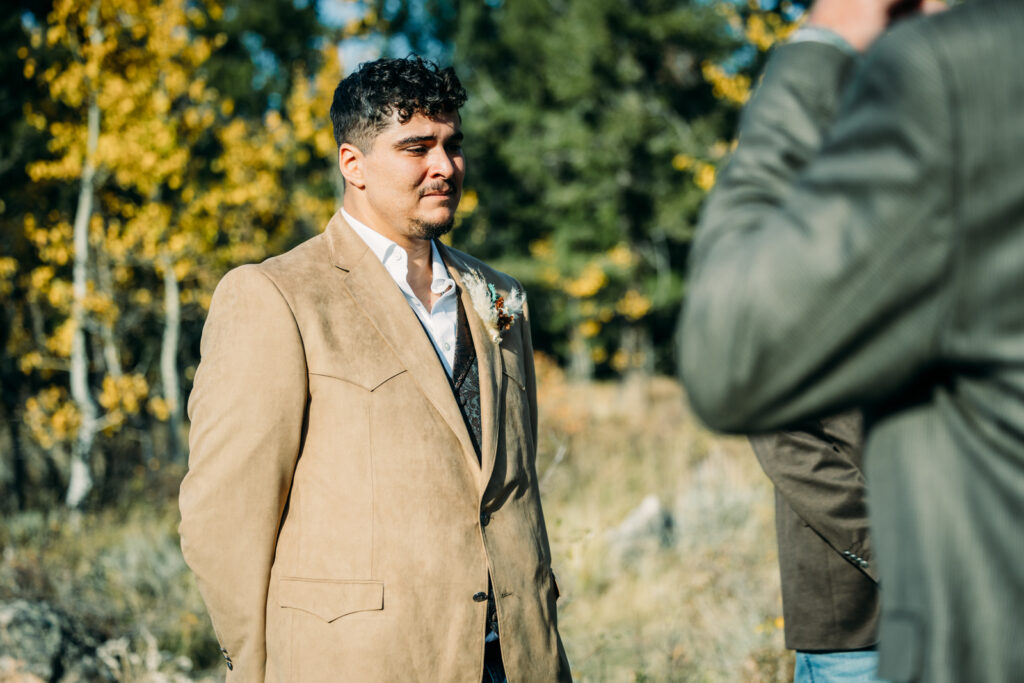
815, 467
819, 271
246, 409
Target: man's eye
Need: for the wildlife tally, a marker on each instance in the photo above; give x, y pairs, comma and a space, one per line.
416, 150
454, 148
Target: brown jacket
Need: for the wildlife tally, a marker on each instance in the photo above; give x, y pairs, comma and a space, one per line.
829, 583
335, 513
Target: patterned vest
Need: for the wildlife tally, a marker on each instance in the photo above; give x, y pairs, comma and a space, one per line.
466, 380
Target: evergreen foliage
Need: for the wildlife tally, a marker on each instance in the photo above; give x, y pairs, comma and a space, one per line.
593, 131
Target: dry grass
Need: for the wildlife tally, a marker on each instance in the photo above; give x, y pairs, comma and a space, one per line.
121, 573
698, 603
702, 605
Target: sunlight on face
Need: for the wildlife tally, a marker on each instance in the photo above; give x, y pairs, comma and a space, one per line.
413, 176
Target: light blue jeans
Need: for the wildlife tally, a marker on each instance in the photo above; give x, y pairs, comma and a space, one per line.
857, 666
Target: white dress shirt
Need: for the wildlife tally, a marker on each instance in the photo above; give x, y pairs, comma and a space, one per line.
441, 322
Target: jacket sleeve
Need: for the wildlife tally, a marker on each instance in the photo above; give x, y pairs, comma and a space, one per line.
246, 411
816, 468
818, 276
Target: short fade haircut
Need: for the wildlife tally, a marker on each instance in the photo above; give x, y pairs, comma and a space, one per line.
365, 100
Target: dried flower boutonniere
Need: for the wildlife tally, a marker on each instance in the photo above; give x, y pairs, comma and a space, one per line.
498, 312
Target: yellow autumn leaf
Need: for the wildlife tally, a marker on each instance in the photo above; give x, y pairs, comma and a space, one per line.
704, 177
621, 256
30, 361
589, 328
733, 88
589, 282
158, 408
633, 305
469, 203
682, 162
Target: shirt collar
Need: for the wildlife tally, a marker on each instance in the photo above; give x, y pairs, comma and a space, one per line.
396, 260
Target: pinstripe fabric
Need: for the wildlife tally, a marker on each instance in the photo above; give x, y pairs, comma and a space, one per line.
865, 246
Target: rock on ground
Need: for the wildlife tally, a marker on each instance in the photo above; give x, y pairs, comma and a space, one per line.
39, 642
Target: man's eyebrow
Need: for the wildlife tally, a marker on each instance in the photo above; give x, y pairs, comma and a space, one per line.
417, 139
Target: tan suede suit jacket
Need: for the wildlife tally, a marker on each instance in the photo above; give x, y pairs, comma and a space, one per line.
335, 514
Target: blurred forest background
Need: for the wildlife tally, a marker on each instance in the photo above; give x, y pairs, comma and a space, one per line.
147, 146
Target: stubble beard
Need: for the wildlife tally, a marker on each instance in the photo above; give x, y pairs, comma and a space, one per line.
428, 230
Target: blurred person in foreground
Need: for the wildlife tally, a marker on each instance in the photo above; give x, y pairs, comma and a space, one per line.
829, 580
362, 502
865, 247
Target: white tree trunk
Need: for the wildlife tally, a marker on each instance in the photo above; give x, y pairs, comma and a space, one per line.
80, 481
80, 478
111, 355
169, 357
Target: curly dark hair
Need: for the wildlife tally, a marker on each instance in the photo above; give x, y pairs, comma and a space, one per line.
365, 100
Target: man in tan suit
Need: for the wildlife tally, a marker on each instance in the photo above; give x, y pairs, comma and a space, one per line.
362, 501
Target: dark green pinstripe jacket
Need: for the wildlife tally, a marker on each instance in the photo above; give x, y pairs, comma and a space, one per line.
865, 247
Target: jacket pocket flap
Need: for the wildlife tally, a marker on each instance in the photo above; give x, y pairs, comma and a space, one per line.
330, 600
367, 377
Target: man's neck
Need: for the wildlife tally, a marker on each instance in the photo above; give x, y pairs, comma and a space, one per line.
420, 272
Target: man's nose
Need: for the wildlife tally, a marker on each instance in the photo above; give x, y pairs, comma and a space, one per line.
442, 165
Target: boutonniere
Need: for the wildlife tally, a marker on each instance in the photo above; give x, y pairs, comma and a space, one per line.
498, 312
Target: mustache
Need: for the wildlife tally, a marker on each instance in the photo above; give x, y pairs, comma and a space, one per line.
440, 187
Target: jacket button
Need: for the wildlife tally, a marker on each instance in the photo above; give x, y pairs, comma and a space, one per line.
485, 518
479, 597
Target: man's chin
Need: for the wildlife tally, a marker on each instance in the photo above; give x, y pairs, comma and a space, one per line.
430, 229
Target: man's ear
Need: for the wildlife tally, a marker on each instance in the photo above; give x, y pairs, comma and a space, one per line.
350, 161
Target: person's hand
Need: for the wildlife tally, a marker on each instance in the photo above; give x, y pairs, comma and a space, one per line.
860, 22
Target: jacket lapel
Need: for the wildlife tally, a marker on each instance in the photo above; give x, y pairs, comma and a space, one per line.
488, 356
375, 292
